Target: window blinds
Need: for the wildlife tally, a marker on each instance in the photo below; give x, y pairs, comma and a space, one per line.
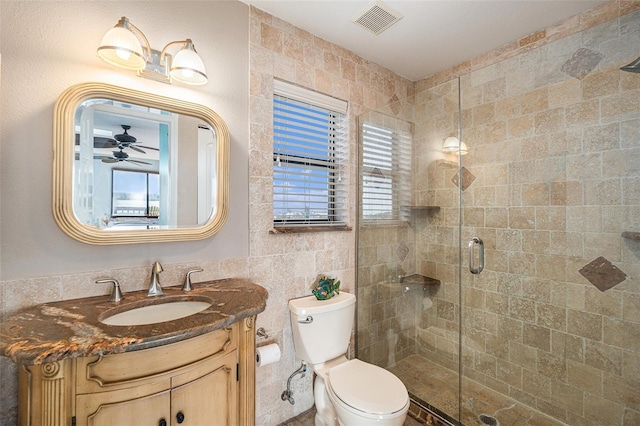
309, 159
386, 169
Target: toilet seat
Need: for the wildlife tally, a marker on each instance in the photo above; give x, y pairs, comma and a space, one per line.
367, 388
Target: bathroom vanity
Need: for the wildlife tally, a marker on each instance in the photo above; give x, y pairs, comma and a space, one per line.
196, 370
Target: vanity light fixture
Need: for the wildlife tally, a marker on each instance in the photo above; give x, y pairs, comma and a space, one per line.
452, 144
125, 46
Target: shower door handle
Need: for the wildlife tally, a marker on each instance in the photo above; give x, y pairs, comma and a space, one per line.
472, 243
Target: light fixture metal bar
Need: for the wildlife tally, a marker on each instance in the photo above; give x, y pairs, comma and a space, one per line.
157, 67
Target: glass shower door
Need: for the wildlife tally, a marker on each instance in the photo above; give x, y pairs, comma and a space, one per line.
551, 327
408, 247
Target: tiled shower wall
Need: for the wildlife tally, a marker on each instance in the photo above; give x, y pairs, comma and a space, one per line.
550, 183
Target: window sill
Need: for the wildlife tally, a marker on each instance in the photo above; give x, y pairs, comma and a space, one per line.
302, 229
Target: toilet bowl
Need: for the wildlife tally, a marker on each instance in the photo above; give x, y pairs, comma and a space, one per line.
346, 392
365, 394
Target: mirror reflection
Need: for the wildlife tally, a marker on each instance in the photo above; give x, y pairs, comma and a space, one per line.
138, 167
134, 167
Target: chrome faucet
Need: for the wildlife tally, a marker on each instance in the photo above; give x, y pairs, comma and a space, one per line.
154, 283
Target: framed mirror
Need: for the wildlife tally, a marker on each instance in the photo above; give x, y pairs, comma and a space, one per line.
134, 167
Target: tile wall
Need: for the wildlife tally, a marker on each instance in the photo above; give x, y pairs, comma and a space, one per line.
288, 264
550, 183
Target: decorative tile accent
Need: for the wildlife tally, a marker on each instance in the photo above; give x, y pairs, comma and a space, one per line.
581, 63
402, 251
467, 178
602, 274
395, 106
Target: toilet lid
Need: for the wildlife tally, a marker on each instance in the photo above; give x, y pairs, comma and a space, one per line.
367, 387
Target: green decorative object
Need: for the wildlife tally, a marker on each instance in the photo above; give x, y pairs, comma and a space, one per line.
326, 288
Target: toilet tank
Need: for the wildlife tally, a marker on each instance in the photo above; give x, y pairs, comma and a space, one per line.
322, 328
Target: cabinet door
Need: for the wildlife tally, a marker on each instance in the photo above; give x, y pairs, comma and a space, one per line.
99, 410
209, 400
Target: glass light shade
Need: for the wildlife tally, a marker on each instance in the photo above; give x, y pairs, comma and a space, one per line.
452, 144
187, 66
121, 47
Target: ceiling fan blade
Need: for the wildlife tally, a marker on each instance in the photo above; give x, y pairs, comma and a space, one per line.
135, 148
101, 142
148, 147
138, 162
109, 160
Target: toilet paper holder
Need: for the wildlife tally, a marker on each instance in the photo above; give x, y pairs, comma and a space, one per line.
261, 333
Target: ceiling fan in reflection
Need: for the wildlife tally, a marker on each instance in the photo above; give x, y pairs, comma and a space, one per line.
118, 156
121, 141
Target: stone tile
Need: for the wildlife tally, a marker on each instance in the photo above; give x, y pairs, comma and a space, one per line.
466, 181
631, 417
537, 337
584, 377
602, 274
601, 138
582, 113
584, 324
603, 357
601, 83
550, 121
600, 411
581, 63
568, 397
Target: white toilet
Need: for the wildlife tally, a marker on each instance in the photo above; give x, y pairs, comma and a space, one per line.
346, 392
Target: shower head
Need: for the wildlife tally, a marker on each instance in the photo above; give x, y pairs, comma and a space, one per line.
632, 67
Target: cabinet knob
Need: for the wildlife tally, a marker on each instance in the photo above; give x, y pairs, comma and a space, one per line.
162, 422
180, 417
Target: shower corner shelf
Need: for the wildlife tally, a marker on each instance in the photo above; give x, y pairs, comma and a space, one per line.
419, 279
435, 208
417, 211
631, 235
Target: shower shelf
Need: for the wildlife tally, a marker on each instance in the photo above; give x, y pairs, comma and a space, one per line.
420, 211
419, 279
631, 235
435, 208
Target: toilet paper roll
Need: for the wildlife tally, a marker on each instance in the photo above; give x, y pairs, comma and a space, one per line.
267, 354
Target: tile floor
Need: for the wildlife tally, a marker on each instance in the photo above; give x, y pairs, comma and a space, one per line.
307, 419
438, 386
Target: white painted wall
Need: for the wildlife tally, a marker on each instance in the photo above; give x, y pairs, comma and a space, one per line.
49, 46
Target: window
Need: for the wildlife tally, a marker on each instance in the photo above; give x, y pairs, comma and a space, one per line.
386, 168
135, 194
309, 158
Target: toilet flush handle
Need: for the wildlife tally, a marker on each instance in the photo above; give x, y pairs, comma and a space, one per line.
307, 320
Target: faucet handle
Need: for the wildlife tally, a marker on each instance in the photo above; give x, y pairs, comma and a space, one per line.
187, 280
116, 294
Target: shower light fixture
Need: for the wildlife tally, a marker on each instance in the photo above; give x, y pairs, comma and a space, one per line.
632, 67
452, 144
125, 46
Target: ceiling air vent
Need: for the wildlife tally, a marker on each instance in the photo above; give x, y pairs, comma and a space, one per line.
377, 17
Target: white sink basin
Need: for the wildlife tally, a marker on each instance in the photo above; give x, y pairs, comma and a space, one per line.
153, 314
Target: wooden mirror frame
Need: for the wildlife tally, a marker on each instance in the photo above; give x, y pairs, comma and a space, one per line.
63, 158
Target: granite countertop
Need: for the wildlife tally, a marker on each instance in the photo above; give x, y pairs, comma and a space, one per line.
70, 329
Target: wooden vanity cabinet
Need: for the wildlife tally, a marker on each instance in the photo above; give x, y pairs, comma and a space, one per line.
205, 380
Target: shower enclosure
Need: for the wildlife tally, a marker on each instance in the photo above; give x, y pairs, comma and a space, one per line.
547, 188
